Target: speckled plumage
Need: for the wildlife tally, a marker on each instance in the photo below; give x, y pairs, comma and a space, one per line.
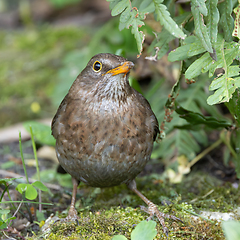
105, 130
103, 127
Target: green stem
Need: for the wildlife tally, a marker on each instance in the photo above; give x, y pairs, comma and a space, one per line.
37, 166
226, 139
35, 153
7, 202
21, 152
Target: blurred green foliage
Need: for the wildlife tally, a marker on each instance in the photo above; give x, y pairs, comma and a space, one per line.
30, 60
62, 3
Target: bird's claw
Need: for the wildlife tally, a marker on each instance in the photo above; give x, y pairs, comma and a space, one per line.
72, 215
152, 210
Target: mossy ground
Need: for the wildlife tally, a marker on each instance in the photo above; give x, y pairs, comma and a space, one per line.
112, 211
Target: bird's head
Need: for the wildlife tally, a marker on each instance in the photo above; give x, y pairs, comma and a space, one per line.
105, 76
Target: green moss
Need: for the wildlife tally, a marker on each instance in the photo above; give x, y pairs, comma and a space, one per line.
98, 225
102, 218
107, 223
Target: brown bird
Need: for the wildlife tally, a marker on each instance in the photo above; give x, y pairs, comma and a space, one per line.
105, 130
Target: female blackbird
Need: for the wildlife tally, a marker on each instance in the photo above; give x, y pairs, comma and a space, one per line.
105, 130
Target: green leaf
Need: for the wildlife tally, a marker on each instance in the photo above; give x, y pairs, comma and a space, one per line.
4, 211
125, 16
147, 6
226, 84
119, 7
135, 23
226, 53
192, 46
41, 132
40, 185
40, 215
226, 19
234, 106
119, 237
195, 48
3, 224
113, 3
145, 230
231, 230
165, 37
201, 29
236, 32
236, 140
195, 118
5, 180
195, 69
164, 17
237, 161
30, 191
21, 187
131, 18
212, 20
180, 53
200, 4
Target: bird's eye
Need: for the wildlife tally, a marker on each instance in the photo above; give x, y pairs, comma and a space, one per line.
97, 66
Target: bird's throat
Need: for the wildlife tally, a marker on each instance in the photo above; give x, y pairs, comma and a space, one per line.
115, 89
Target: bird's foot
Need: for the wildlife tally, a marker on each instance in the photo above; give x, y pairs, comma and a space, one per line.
152, 210
71, 217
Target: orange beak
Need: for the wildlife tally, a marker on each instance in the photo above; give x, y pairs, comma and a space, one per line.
124, 68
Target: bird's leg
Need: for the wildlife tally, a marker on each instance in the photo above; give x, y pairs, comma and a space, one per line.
72, 213
152, 208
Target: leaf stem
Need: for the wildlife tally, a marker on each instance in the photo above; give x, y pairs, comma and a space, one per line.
6, 202
37, 165
21, 152
226, 139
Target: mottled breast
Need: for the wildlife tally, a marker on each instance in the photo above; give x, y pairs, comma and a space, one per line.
103, 143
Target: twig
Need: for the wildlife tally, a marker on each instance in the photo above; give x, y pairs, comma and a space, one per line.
198, 215
195, 199
153, 58
205, 152
15, 212
8, 236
